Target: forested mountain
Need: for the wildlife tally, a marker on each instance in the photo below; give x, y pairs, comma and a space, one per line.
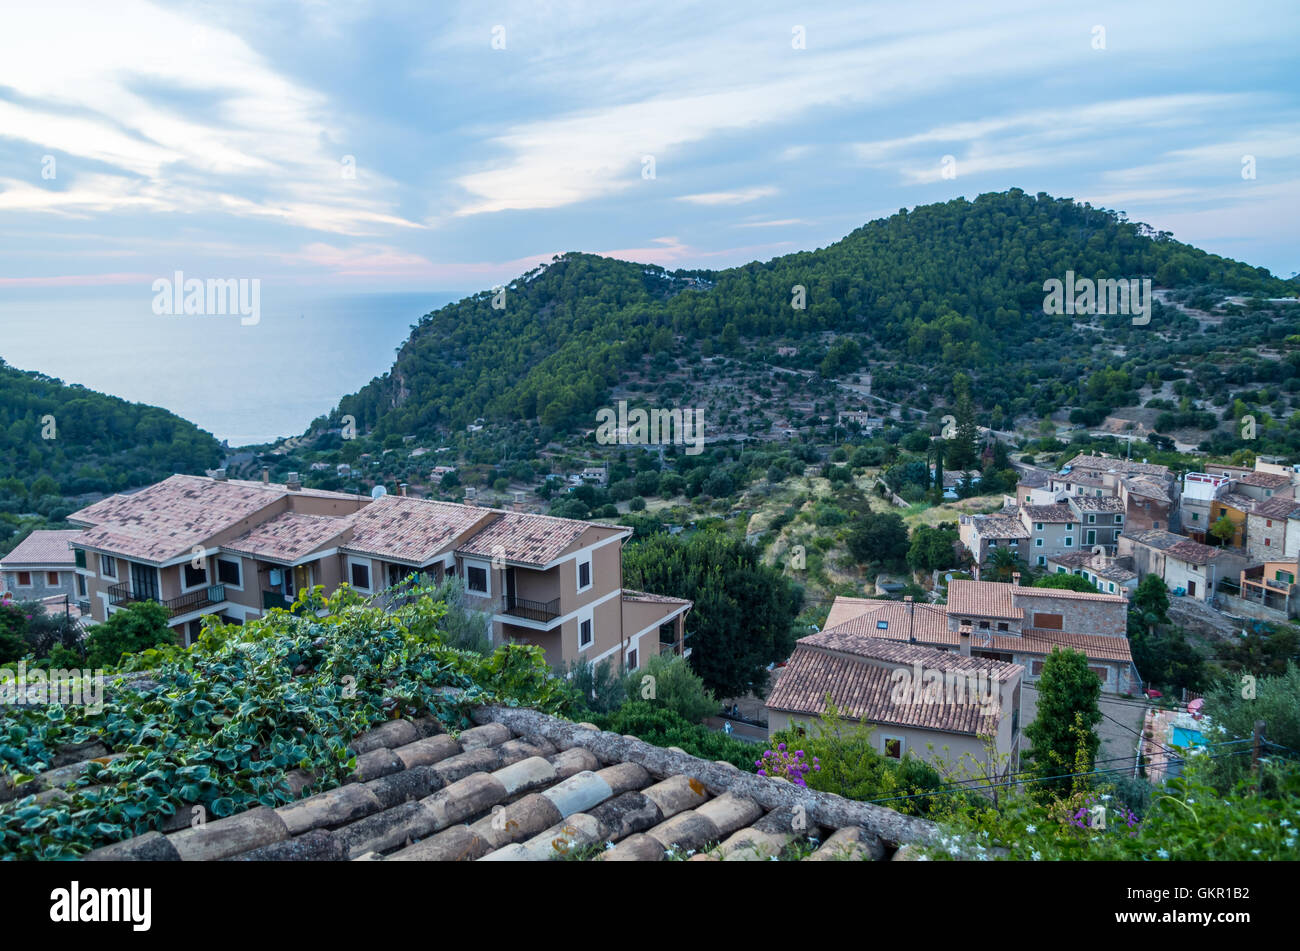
951, 286
59, 439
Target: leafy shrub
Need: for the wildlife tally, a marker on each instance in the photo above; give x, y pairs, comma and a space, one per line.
676, 687
135, 628
660, 726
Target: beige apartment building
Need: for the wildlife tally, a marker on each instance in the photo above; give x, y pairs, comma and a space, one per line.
237, 549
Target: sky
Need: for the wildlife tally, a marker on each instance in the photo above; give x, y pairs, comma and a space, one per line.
394, 146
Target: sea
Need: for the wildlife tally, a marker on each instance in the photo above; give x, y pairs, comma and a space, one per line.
245, 384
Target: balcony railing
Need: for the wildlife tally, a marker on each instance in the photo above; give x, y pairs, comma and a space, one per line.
119, 594
532, 610
274, 599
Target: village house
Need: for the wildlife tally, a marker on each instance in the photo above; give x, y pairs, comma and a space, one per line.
1149, 492
1273, 530
43, 565
237, 549
1200, 490
1053, 529
1109, 574
1007, 622
1185, 566
981, 534
947, 708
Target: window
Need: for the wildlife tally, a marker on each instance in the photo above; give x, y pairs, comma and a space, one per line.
1196, 517
1155, 524
1060, 570
1042, 560
1036, 667
631, 659
1069, 541
1069, 526
108, 566
81, 586
584, 633
360, 575
476, 579
1002, 626
195, 576
893, 747
1092, 536
1267, 542
228, 572
1038, 526
584, 575
984, 625
1111, 586
1119, 519
1038, 543
1050, 622
52, 577
24, 579
395, 575
1092, 520
882, 625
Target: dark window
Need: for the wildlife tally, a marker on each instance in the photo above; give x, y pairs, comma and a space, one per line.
360, 576
584, 634
584, 574
52, 577
1002, 626
395, 575
476, 579
893, 747
195, 576
228, 572
24, 579
631, 660
81, 586
107, 566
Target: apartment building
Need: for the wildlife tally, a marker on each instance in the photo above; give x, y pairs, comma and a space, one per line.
1007, 623
981, 534
238, 549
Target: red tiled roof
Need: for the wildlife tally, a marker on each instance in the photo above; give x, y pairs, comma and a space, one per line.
1023, 592
1058, 512
861, 616
42, 548
169, 518
412, 530
1265, 480
1034, 640
290, 536
528, 539
865, 691
983, 599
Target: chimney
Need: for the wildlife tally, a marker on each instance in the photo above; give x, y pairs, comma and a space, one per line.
1015, 577
964, 637
266, 474
293, 483
219, 475
403, 487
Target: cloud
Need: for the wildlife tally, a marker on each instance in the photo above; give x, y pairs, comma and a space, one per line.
737, 197
146, 108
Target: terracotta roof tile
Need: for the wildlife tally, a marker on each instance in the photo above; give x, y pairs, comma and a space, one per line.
532, 788
983, 599
290, 536
528, 539
42, 548
412, 530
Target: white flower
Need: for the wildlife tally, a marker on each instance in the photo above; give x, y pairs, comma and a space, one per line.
608, 845
1035, 856
1284, 823
954, 850
773, 859
1162, 853
1258, 825
690, 852
1105, 798
1254, 851
1031, 829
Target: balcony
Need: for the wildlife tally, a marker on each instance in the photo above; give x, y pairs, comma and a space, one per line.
274, 599
120, 594
531, 610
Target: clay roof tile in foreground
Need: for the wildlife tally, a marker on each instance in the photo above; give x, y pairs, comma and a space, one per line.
523, 786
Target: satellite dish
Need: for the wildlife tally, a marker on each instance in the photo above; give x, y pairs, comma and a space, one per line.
378, 492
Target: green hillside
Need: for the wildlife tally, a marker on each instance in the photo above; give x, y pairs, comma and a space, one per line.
951, 286
60, 440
